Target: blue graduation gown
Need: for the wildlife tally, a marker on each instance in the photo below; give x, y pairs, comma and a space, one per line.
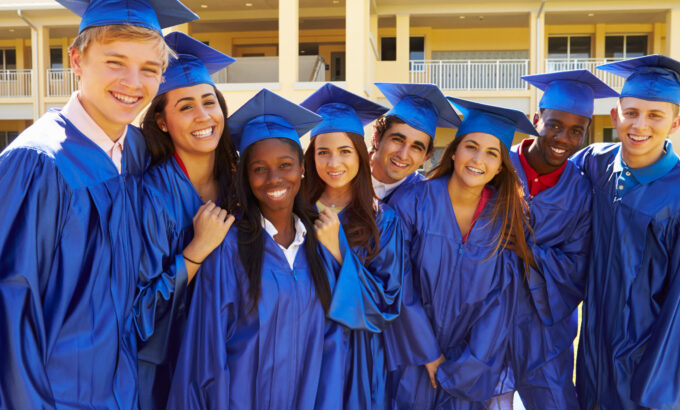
69, 246
170, 203
408, 181
383, 275
284, 355
467, 296
628, 351
546, 320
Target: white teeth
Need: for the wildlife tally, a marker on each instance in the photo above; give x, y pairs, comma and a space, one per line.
638, 138
399, 164
202, 133
277, 194
124, 98
558, 151
336, 174
475, 170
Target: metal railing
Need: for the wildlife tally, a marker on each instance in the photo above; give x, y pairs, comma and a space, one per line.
15, 83
471, 74
558, 64
61, 82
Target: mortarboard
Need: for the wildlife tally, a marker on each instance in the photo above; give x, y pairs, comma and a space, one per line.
570, 91
194, 63
422, 106
342, 111
152, 14
653, 78
497, 121
268, 115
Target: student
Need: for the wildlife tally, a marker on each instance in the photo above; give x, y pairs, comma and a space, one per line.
69, 231
466, 227
257, 335
628, 356
404, 137
193, 165
559, 198
338, 177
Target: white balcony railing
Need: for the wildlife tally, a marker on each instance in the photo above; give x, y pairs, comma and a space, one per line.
471, 74
553, 64
15, 83
266, 69
61, 82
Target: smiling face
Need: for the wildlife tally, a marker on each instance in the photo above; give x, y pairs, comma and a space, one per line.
561, 135
274, 173
117, 80
477, 159
194, 120
643, 126
336, 159
400, 152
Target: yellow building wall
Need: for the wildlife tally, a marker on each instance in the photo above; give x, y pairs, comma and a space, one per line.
479, 39
14, 125
600, 122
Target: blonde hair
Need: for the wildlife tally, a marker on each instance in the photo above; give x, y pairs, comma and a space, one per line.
122, 32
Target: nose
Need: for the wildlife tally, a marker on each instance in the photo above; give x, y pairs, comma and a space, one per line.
640, 122
333, 160
202, 113
403, 151
132, 78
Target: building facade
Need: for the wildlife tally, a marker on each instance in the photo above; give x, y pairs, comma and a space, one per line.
475, 49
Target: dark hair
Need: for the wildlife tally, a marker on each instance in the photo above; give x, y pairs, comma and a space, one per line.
251, 235
383, 124
361, 229
510, 209
161, 149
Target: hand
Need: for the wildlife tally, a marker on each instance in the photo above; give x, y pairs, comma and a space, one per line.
327, 229
211, 224
432, 369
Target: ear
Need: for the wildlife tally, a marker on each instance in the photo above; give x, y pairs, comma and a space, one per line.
675, 125
160, 121
614, 113
76, 58
499, 169
536, 118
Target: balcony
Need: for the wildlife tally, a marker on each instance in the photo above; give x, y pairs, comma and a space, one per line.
266, 70
471, 74
554, 64
15, 83
61, 82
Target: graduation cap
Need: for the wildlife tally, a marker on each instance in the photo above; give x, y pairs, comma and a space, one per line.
497, 121
570, 91
422, 106
342, 111
652, 78
268, 115
152, 14
194, 63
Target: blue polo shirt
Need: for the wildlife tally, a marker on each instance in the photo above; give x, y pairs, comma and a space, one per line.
632, 177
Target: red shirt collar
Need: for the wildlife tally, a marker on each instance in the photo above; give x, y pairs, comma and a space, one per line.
537, 183
486, 195
181, 164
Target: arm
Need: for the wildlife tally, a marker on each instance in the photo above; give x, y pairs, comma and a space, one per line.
202, 376
35, 202
471, 371
558, 284
368, 296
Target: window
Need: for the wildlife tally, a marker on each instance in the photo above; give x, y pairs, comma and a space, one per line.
6, 137
568, 47
625, 46
56, 61
388, 48
8, 59
609, 135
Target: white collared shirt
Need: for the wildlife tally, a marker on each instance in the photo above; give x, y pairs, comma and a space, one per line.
75, 112
292, 250
382, 189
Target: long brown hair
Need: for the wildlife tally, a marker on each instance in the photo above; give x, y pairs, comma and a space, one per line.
510, 209
360, 228
160, 147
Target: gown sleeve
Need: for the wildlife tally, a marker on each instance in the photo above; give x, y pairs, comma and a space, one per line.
656, 381
162, 283
35, 200
557, 287
471, 371
368, 297
410, 339
202, 376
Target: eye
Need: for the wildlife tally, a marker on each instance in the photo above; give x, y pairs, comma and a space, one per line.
150, 70
417, 148
286, 165
629, 113
114, 63
577, 132
471, 147
322, 152
493, 154
209, 103
346, 151
655, 116
259, 169
185, 107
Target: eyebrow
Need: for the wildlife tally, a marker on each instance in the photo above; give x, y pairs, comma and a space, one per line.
278, 158
192, 98
124, 57
340, 147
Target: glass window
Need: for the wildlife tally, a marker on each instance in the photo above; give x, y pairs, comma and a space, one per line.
416, 48
558, 47
8, 59
625, 46
388, 49
636, 46
613, 47
579, 47
55, 58
609, 135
